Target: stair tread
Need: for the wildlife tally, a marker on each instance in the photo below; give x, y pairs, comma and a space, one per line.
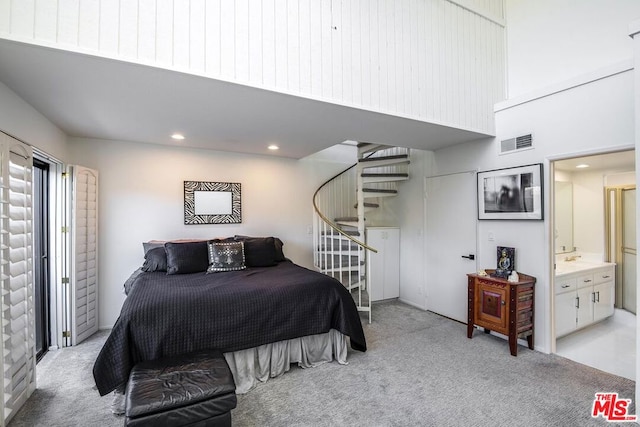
379, 190
335, 233
346, 219
368, 205
394, 157
373, 175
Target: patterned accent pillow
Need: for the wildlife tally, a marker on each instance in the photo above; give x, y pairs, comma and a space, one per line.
225, 256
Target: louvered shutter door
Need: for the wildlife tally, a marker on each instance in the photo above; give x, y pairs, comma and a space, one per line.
16, 242
84, 278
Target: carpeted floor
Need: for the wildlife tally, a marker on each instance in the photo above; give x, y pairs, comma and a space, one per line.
420, 370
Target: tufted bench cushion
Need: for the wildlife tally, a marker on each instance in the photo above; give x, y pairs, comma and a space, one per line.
195, 389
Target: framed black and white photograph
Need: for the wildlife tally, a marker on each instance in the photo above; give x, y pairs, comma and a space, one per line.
511, 193
212, 202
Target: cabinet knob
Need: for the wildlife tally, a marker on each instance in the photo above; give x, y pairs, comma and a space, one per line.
605, 277
586, 280
503, 302
565, 286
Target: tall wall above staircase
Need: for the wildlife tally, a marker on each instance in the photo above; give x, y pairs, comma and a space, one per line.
440, 61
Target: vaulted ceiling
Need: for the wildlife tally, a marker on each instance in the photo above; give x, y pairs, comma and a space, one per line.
94, 97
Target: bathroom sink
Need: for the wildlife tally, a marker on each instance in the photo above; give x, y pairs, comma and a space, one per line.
566, 267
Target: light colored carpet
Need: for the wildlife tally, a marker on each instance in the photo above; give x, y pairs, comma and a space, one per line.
420, 370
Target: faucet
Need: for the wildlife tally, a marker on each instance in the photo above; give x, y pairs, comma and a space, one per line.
572, 258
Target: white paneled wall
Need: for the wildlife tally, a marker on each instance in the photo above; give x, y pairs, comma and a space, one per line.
434, 60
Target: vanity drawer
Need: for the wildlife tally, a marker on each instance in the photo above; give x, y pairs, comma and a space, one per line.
584, 280
565, 285
603, 275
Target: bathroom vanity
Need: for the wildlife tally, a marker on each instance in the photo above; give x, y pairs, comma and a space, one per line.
584, 294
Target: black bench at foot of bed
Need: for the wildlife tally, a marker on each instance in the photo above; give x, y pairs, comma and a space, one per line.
195, 390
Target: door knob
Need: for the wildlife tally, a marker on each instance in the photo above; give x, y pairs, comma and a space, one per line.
470, 256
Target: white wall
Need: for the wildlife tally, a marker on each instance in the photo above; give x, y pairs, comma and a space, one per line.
410, 215
405, 58
141, 198
634, 32
22, 121
589, 118
551, 41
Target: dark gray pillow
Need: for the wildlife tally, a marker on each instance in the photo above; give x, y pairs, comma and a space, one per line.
260, 251
147, 246
277, 244
155, 260
225, 256
279, 251
188, 257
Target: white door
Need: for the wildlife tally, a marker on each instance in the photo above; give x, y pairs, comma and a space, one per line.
451, 230
84, 254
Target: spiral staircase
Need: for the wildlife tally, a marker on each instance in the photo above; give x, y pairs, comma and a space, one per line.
345, 204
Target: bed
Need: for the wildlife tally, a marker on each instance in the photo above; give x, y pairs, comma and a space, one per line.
263, 316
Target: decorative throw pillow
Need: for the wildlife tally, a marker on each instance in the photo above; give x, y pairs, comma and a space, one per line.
260, 251
225, 256
279, 251
147, 246
188, 257
277, 244
155, 260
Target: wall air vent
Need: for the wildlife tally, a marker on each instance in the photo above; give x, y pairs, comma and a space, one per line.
510, 145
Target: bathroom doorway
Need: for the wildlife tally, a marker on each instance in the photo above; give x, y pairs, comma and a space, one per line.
585, 231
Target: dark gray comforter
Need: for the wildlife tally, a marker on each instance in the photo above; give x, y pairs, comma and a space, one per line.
166, 315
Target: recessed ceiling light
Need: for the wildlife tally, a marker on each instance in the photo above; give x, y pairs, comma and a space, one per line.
582, 166
177, 136
273, 147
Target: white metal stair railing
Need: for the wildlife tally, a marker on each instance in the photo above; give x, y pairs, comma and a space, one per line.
339, 251
340, 248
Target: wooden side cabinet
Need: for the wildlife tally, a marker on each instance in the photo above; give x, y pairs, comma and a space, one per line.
502, 306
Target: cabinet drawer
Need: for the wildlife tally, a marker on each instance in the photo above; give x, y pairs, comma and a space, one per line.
604, 275
584, 280
565, 285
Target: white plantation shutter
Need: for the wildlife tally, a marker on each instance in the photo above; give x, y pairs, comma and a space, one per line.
84, 254
16, 276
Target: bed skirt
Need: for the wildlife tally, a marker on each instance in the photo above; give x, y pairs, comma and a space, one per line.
258, 364
271, 360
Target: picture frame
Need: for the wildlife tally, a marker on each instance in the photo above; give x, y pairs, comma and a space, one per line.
511, 193
212, 202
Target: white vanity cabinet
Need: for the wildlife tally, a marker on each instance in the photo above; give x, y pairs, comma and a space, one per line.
604, 294
565, 305
384, 266
583, 298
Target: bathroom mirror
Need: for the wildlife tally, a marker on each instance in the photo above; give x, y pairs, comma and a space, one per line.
563, 217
